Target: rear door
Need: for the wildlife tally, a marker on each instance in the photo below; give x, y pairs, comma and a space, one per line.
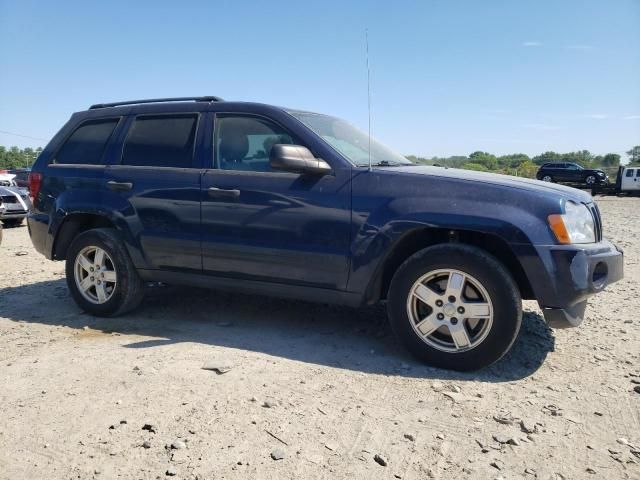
155, 188
270, 225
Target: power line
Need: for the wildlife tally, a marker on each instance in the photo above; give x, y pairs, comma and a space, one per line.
23, 136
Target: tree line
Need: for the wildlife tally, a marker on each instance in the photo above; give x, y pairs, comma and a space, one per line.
14, 157
522, 165
513, 164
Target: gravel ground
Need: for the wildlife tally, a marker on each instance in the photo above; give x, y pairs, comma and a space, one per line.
200, 384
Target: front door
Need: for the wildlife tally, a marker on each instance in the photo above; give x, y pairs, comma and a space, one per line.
269, 225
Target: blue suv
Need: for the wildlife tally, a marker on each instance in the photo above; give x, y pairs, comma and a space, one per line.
272, 201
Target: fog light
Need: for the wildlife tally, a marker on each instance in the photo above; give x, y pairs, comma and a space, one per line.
599, 276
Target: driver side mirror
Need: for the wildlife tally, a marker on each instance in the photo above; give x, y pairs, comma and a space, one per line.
296, 158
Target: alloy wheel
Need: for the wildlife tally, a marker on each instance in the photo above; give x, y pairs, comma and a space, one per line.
450, 310
95, 275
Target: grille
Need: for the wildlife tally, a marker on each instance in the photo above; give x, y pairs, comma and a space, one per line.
9, 199
595, 211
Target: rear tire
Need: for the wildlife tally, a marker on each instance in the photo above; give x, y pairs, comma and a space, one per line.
481, 275
124, 288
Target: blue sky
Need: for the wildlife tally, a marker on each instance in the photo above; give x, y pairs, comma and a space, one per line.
447, 77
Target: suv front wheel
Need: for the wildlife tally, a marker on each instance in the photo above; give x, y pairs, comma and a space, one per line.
455, 306
100, 275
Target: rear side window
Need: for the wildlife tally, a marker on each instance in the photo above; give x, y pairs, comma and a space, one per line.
630, 172
87, 143
637, 172
161, 141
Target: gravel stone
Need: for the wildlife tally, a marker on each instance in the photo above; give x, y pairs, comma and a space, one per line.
380, 460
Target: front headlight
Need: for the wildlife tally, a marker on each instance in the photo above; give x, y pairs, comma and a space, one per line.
574, 226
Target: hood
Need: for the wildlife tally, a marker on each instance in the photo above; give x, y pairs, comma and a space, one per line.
21, 192
530, 185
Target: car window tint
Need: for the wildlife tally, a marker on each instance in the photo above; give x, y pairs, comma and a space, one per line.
85, 146
161, 141
244, 142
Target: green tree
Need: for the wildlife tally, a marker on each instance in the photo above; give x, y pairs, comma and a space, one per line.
475, 166
513, 160
547, 157
611, 160
634, 154
489, 161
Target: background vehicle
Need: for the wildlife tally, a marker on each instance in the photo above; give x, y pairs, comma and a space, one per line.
7, 180
627, 181
570, 173
260, 199
15, 203
21, 177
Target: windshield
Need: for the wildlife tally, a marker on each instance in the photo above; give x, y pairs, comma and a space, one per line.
349, 141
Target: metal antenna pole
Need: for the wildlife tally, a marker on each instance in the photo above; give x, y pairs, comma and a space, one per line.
366, 39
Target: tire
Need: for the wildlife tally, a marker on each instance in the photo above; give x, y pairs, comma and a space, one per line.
120, 296
483, 275
590, 180
13, 222
547, 178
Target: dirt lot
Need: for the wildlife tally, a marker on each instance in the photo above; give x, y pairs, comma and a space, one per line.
326, 388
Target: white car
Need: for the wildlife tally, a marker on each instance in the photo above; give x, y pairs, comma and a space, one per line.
630, 179
14, 201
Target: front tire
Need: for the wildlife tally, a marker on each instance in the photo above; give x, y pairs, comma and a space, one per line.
590, 180
547, 178
455, 306
100, 275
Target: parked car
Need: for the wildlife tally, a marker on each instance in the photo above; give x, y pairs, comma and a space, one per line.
571, 173
265, 200
15, 203
7, 179
21, 176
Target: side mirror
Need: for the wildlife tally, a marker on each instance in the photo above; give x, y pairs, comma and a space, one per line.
295, 158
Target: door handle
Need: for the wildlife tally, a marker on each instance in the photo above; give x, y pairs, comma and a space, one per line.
119, 186
222, 192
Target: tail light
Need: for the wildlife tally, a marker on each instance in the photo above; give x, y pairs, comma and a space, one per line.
35, 181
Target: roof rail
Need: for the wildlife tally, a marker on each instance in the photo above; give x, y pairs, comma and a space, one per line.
157, 100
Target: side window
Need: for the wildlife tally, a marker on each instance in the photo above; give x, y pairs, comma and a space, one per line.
244, 142
85, 146
161, 141
637, 172
629, 172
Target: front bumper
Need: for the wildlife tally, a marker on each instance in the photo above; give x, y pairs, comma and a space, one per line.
11, 213
576, 272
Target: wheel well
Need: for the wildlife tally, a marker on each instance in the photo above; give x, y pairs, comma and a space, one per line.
422, 238
74, 225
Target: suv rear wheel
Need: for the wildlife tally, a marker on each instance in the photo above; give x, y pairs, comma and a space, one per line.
455, 306
101, 277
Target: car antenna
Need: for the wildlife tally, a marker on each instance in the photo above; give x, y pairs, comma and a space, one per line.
366, 41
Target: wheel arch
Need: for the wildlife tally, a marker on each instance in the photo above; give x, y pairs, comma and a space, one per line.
420, 238
72, 226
